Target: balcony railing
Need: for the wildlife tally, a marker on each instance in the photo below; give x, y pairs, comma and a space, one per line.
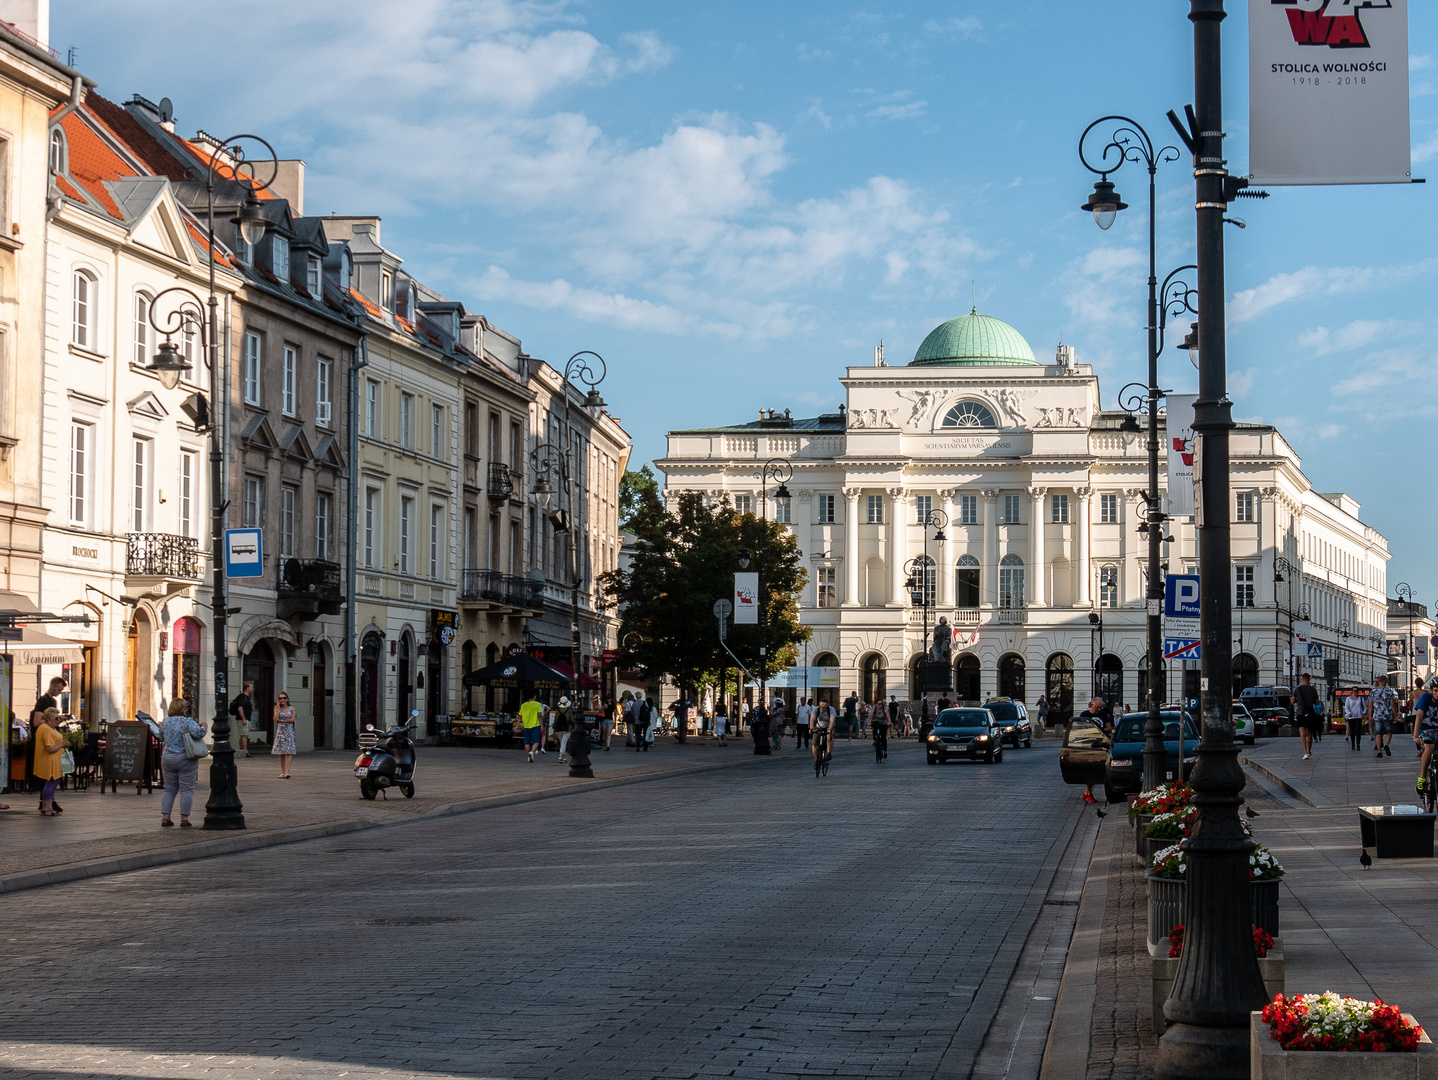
1011, 616
501, 484
956, 616
510, 590
310, 577
162, 555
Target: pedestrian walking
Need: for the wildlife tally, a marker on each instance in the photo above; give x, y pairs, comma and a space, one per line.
803, 716
777, 718
894, 712
562, 724
531, 719
1097, 713
607, 721
178, 768
651, 722
48, 700
48, 745
284, 729
851, 712
1042, 708
243, 710
1309, 714
1353, 713
1381, 703
721, 723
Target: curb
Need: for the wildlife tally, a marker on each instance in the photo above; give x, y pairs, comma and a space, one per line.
249, 841
1291, 784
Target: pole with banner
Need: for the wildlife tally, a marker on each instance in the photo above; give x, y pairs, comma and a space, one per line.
1180, 454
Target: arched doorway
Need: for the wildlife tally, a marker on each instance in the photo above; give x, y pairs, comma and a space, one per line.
1012, 677
872, 682
132, 668
259, 669
404, 680
968, 678
826, 693
1245, 672
437, 656
468, 652
1108, 681
371, 653
1059, 686
1142, 704
185, 647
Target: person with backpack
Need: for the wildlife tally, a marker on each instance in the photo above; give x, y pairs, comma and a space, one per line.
639, 724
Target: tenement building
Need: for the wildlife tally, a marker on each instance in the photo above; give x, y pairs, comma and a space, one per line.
1040, 568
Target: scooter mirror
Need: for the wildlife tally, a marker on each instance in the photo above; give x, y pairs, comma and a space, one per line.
414, 712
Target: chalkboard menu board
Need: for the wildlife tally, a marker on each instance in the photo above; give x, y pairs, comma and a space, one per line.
126, 746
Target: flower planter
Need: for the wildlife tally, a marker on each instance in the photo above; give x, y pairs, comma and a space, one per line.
1269, 1061
1166, 900
1140, 822
1152, 847
1165, 969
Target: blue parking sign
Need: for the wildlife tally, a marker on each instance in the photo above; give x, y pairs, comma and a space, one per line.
1180, 596
244, 553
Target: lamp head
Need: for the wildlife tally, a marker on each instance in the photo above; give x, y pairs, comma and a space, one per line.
1093, 617
593, 402
1130, 425
743, 558
251, 220
939, 536
169, 364
1190, 342
1105, 203
542, 492
782, 491
1143, 528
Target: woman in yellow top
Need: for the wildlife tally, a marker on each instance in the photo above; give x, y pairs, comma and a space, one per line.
48, 744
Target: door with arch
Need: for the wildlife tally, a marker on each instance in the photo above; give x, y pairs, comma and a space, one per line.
1108, 681
873, 682
185, 649
1012, 677
1059, 686
404, 685
829, 694
968, 679
260, 670
1245, 672
371, 654
319, 698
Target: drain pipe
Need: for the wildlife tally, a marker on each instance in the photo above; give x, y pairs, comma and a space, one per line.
360, 360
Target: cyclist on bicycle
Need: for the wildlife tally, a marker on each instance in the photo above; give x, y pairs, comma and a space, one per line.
823, 724
1425, 729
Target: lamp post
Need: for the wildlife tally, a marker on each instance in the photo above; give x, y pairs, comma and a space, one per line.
781, 472
1282, 566
1218, 982
920, 572
1405, 591
562, 462
223, 809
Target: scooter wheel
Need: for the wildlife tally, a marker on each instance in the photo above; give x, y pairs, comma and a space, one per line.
408, 790
369, 789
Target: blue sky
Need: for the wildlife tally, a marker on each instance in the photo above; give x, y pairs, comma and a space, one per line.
731, 202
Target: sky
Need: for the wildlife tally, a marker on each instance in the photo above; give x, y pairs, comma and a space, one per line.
733, 201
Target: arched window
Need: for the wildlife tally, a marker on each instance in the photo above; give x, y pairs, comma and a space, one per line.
58, 156
966, 592
922, 581
1108, 678
969, 414
1011, 581
82, 311
143, 300
872, 683
826, 659
1245, 672
1059, 686
967, 679
1012, 679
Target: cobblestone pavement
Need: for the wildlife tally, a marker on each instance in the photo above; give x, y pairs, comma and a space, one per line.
1123, 1045
745, 922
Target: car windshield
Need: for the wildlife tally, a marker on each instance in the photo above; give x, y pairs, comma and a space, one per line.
963, 718
1130, 728
1006, 712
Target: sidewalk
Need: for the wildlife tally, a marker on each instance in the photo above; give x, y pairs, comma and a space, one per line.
104, 832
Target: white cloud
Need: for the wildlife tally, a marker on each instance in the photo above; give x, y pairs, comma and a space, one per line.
1241, 383
1312, 282
808, 52
1330, 431
907, 111
954, 27
1355, 335
1394, 383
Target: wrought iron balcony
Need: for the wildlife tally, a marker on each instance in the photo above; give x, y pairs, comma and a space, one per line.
501, 484
501, 590
308, 587
162, 556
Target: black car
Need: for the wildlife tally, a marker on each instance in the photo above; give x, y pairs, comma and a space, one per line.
1013, 718
974, 734
1091, 757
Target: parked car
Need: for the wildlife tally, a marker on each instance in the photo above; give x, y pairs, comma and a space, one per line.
1244, 724
1271, 706
974, 734
1088, 756
1014, 719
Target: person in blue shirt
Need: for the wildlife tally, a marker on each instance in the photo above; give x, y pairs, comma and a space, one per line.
180, 770
1425, 729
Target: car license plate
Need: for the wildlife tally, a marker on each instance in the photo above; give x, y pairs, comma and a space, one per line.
365, 772
1168, 775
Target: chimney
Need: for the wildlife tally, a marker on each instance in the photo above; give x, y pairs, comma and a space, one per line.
30, 17
289, 183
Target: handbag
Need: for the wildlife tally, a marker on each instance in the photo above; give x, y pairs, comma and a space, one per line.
67, 763
195, 747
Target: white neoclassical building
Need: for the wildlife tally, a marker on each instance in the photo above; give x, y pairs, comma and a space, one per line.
1043, 494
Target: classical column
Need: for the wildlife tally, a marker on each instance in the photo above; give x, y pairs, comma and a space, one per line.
944, 559
989, 584
1081, 567
1038, 570
898, 548
851, 547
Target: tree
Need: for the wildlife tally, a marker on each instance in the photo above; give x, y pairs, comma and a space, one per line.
683, 562
633, 486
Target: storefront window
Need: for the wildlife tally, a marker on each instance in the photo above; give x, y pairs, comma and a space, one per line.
185, 647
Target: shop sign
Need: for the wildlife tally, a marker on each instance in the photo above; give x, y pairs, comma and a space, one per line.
443, 625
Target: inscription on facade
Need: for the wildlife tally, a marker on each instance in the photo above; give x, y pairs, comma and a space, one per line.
84, 552
968, 444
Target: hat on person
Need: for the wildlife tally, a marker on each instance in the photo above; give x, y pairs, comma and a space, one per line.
564, 703
1433, 683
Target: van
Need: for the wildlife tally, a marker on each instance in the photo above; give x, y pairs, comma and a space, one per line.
1270, 705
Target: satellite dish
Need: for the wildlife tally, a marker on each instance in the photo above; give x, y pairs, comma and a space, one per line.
167, 110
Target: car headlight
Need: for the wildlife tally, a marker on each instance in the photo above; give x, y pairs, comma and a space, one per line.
1122, 763
981, 738
933, 738
1008, 729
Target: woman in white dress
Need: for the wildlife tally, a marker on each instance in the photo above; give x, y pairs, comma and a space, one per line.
284, 728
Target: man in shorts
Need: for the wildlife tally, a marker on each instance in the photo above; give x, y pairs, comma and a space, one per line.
1425, 729
1305, 703
1381, 703
529, 714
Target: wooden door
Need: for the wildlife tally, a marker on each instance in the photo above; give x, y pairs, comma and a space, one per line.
132, 672
369, 716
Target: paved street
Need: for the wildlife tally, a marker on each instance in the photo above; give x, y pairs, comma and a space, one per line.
745, 922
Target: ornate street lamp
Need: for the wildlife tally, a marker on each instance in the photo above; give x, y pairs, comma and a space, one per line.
919, 571
781, 472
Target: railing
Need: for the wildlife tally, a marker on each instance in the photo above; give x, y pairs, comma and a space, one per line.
162, 555
496, 588
956, 616
309, 577
501, 485
1011, 616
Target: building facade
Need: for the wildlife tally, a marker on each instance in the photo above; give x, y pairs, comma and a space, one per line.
1043, 492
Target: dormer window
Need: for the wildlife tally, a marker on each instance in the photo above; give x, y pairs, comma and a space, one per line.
346, 269
57, 150
280, 257
312, 279
386, 290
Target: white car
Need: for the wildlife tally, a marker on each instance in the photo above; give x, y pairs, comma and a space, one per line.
1243, 724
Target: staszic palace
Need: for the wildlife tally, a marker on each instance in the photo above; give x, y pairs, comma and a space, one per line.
1043, 492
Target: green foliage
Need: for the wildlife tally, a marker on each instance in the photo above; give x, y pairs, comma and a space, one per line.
685, 561
633, 487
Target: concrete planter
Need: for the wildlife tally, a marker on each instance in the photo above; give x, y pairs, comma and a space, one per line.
1166, 900
1269, 1061
1165, 969
1152, 847
1140, 822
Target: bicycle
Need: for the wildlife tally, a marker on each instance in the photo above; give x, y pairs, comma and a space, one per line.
881, 742
1429, 795
822, 753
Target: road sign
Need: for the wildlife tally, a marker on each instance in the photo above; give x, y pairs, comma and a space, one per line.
244, 553
1315, 650
723, 609
1180, 596
1181, 649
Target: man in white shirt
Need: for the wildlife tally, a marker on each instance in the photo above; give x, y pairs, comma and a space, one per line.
802, 717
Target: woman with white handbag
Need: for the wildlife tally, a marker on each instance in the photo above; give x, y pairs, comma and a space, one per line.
180, 763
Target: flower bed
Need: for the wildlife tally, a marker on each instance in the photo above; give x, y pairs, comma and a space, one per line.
1262, 942
1178, 824
1172, 863
1164, 799
1341, 1024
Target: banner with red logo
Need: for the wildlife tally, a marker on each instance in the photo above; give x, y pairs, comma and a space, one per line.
1179, 432
1328, 92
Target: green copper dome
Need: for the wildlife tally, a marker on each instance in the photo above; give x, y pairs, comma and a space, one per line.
974, 340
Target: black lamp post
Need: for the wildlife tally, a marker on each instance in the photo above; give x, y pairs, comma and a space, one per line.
223, 809
781, 472
562, 463
920, 571
1218, 982
1405, 591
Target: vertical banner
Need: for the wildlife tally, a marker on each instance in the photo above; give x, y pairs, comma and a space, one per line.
746, 598
1179, 429
1328, 92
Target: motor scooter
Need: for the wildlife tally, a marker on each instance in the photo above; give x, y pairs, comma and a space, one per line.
383, 765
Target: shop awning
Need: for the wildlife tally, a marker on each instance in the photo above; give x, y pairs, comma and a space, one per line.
520, 669
37, 648
586, 682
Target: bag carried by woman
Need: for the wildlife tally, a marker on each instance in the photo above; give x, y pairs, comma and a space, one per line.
195, 747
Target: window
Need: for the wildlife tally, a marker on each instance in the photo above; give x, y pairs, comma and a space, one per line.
516, 444
876, 509
57, 150
1011, 509
139, 485
924, 585
1108, 509
1245, 510
967, 580
406, 421
1243, 586
371, 521
824, 510
471, 539
744, 504
322, 525
280, 255
1011, 582
1108, 586
968, 509
436, 431
406, 532
825, 588
82, 310
324, 374
347, 264
189, 470
253, 508
968, 414
254, 354
81, 438
189, 342
386, 290
782, 510
923, 505
436, 541
371, 408
1061, 509
471, 429
142, 329
289, 496
312, 277
288, 405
